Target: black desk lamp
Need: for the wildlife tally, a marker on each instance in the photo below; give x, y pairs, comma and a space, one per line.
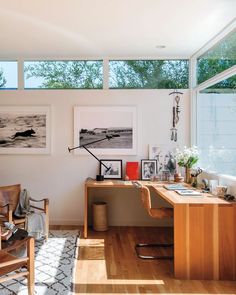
99, 177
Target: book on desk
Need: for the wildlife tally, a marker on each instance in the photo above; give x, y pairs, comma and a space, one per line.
173, 187
188, 192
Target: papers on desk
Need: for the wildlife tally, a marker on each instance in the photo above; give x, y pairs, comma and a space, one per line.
188, 192
173, 187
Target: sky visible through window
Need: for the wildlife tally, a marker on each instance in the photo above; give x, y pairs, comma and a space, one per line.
9, 70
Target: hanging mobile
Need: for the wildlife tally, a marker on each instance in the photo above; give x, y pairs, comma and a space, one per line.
175, 114
173, 129
177, 100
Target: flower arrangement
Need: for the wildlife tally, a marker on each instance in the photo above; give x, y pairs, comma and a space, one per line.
188, 157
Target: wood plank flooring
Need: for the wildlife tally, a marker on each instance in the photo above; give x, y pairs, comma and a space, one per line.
107, 264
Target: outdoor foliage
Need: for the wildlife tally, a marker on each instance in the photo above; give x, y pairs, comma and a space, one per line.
208, 68
149, 74
224, 86
3, 80
66, 74
219, 58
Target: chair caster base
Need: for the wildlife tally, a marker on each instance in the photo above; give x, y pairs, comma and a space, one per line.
138, 246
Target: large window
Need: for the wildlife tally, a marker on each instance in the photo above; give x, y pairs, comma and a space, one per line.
220, 57
64, 74
149, 74
216, 127
8, 75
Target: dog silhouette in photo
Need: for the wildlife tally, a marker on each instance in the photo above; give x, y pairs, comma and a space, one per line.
26, 133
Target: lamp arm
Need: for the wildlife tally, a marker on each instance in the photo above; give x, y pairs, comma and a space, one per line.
83, 145
94, 156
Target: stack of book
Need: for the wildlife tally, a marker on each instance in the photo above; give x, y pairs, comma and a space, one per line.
188, 192
182, 190
173, 187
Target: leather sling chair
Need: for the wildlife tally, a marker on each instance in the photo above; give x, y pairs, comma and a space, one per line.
9, 198
13, 267
158, 213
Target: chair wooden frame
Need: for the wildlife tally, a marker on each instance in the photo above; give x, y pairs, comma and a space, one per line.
159, 213
10, 263
10, 206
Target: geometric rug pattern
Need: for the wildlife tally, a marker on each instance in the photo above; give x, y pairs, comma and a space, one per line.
54, 266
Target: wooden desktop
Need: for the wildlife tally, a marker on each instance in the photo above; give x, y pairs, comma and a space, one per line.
204, 231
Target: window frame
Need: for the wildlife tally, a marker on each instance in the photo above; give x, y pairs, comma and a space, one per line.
196, 88
146, 59
17, 74
23, 61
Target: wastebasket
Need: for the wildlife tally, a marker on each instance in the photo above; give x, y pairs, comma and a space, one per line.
100, 216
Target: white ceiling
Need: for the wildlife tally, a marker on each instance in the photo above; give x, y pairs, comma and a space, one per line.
110, 28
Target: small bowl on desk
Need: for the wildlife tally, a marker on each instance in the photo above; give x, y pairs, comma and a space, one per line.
178, 178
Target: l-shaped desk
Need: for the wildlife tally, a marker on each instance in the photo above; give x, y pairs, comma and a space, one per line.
204, 231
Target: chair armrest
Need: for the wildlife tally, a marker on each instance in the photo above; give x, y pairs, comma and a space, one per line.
17, 244
2, 206
9, 211
6, 205
13, 260
45, 200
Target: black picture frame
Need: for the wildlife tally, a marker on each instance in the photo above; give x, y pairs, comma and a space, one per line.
115, 171
148, 169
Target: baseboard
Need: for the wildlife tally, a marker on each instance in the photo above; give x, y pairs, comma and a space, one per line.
124, 222
75, 222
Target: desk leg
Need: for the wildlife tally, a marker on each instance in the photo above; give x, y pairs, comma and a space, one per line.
181, 247
85, 212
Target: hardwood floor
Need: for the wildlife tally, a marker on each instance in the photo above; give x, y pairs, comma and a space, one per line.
108, 264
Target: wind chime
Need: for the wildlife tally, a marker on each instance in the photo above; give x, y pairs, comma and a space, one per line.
175, 113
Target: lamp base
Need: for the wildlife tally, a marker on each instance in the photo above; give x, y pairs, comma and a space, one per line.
99, 177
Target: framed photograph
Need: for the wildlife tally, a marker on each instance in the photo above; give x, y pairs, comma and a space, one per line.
164, 155
148, 169
106, 130
113, 170
25, 130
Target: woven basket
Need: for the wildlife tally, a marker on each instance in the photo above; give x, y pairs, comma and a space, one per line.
100, 216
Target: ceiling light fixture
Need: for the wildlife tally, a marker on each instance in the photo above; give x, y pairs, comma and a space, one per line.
160, 46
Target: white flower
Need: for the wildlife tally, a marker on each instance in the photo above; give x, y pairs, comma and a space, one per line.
188, 157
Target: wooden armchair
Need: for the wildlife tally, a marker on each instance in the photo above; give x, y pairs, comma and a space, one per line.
9, 198
11, 265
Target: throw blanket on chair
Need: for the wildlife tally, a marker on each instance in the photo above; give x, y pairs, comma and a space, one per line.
23, 206
35, 222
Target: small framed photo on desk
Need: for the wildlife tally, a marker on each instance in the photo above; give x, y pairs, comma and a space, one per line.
113, 170
148, 169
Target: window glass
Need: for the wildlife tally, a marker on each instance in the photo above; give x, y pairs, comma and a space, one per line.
149, 74
63, 74
217, 59
8, 75
216, 132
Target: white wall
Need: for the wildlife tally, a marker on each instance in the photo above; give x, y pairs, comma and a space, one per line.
61, 175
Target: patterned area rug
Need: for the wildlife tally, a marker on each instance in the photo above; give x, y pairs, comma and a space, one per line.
54, 266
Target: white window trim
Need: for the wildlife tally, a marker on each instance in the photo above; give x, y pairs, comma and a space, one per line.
194, 89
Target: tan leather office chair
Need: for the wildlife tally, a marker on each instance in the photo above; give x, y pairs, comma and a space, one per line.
9, 198
12, 267
159, 213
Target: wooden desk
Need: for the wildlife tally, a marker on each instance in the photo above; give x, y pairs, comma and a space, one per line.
204, 236
100, 184
204, 232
